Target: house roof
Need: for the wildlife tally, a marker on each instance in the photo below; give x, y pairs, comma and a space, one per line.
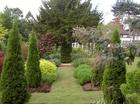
124, 32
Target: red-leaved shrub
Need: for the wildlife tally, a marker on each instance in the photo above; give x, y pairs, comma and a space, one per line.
46, 43
1, 60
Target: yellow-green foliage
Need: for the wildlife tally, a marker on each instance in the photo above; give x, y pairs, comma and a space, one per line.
3, 35
3, 31
115, 36
48, 71
131, 89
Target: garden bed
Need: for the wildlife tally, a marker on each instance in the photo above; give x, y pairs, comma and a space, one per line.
44, 88
90, 87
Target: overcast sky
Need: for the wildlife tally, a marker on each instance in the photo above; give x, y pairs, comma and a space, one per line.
33, 5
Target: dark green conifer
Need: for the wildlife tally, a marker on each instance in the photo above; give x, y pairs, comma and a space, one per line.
114, 76
116, 37
61, 16
13, 81
33, 71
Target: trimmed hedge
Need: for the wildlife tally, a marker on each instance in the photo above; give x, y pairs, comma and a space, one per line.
83, 73
48, 71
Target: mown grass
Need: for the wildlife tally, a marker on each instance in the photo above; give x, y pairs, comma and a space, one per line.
65, 90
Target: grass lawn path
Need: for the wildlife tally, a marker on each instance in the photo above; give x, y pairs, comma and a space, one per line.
65, 90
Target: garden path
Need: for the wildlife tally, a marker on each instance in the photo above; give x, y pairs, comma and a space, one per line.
65, 90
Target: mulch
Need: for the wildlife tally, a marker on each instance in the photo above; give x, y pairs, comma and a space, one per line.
90, 87
44, 88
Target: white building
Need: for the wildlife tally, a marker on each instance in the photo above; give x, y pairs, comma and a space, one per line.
129, 37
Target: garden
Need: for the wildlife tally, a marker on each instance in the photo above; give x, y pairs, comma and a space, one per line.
40, 65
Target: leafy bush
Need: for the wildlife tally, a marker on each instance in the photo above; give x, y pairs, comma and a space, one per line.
84, 76
80, 61
48, 70
100, 101
131, 89
78, 53
138, 64
55, 57
97, 76
83, 73
1, 60
46, 43
137, 45
56, 61
79, 56
99, 66
82, 66
77, 50
114, 76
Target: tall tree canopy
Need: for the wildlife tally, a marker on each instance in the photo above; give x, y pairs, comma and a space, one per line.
126, 7
60, 16
129, 9
7, 17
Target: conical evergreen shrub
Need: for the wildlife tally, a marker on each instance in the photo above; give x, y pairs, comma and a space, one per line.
33, 72
116, 36
114, 76
13, 81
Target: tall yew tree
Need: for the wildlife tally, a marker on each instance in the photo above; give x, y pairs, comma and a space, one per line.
13, 81
33, 71
61, 16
